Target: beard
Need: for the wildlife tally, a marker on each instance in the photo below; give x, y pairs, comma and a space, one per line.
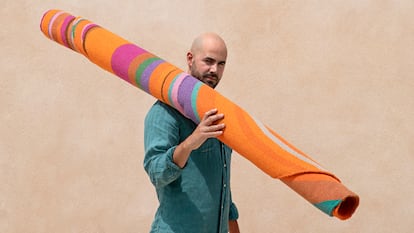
210, 79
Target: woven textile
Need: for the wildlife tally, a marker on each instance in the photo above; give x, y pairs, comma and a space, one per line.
245, 134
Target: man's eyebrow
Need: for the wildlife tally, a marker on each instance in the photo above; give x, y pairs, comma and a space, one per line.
209, 58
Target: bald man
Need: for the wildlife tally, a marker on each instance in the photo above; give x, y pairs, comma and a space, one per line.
188, 166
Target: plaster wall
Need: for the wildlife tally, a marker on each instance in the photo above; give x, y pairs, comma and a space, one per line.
335, 78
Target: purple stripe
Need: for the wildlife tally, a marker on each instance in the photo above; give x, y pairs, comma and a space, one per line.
64, 29
122, 58
146, 75
184, 96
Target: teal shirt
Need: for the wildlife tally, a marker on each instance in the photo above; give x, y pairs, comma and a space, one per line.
196, 198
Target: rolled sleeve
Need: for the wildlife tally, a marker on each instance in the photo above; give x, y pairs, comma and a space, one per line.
161, 169
160, 145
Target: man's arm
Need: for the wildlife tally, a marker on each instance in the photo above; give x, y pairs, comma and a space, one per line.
206, 129
161, 136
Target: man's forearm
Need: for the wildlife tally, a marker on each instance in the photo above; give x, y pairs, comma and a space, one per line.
181, 154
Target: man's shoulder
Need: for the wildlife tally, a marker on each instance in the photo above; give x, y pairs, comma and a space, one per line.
162, 110
160, 107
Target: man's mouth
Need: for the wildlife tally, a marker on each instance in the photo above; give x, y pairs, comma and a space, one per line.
211, 78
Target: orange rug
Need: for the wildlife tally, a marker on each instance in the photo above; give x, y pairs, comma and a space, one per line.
245, 134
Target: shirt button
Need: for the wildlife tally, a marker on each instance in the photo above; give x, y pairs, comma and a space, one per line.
224, 185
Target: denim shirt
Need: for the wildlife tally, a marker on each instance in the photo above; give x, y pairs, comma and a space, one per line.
196, 198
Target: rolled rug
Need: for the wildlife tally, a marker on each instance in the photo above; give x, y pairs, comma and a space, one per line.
245, 134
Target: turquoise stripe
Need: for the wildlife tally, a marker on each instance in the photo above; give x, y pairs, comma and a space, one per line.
194, 96
328, 206
171, 88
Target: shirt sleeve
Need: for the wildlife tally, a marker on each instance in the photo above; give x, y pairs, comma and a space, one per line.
233, 211
160, 140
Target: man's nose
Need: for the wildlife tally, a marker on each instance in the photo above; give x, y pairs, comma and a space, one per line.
213, 68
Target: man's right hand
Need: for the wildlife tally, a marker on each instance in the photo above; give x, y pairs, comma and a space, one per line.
207, 128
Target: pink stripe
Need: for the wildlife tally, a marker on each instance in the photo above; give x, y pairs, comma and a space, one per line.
174, 93
51, 24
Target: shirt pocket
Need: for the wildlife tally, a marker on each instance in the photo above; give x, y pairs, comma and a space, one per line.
210, 146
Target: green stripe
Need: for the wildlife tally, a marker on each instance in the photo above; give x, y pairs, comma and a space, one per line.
141, 69
74, 29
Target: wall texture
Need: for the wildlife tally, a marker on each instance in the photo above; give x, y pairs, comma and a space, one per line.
335, 78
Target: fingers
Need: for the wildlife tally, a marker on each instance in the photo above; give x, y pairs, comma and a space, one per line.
211, 116
210, 113
208, 128
213, 130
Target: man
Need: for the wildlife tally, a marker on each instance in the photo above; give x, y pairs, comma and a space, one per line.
188, 166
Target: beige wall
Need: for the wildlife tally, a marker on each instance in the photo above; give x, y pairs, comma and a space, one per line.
335, 78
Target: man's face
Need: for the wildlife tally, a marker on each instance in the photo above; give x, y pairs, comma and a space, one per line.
207, 64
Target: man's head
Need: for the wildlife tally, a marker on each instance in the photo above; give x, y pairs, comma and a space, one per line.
207, 58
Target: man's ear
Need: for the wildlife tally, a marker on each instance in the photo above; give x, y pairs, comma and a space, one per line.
189, 59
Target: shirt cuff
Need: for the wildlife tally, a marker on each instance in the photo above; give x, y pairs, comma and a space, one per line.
233, 213
170, 161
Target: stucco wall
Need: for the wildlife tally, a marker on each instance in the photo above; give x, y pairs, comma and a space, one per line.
335, 78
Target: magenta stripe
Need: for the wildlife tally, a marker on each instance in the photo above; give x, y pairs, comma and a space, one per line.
122, 58
64, 29
85, 30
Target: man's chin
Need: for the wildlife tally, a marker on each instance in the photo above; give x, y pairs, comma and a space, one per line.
211, 84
